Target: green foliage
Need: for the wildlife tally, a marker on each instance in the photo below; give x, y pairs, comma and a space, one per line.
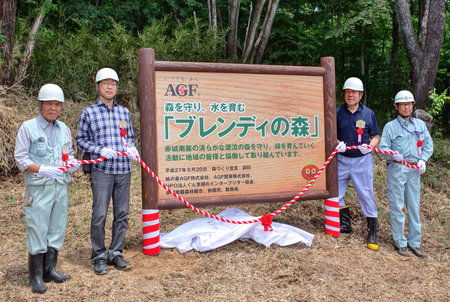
357, 33
2, 39
373, 14
438, 169
436, 110
72, 60
437, 103
83, 33
134, 15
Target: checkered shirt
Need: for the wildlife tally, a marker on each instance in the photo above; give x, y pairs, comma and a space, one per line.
99, 127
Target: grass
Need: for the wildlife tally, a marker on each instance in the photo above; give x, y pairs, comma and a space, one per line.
333, 268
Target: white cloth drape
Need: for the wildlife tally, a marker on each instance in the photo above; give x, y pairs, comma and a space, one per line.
204, 234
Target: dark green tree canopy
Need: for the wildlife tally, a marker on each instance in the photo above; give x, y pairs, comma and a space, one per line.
367, 38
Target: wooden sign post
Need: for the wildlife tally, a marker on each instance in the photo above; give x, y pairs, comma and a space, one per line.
227, 134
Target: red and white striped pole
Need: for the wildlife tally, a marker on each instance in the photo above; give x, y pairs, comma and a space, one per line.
332, 224
150, 222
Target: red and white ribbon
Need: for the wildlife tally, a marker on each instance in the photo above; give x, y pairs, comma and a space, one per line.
359, 131
150, 223
65, 158
332, 223
123, 133
419, 147
151, 217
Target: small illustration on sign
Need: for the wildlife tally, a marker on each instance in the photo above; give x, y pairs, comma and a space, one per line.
309, 171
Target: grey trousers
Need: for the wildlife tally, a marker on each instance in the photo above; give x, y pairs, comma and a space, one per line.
104, 186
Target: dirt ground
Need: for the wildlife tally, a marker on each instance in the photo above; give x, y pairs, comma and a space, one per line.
333, 268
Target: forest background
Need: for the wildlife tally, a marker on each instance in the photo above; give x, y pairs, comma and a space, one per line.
390, 45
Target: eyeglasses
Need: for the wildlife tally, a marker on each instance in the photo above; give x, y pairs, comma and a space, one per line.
406, 104
114, 84
350, 91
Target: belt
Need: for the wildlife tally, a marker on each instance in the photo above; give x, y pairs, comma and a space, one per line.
408, 162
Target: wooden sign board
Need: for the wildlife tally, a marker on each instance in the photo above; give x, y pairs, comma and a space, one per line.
225, 134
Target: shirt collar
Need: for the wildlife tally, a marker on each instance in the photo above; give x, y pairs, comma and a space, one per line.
43, 122
403, 121
100, 103
360, 107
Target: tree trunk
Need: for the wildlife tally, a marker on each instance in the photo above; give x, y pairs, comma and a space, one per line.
393, 71
261, 44
209, 14
248, 26
22, 70
253, 26
423, 21
233, 19
220, 25
423, 53
212, 14
7, 22
214, 17
363, 67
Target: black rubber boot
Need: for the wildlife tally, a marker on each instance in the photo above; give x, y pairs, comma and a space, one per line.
372, 229
344, 218
35, 273
50, 272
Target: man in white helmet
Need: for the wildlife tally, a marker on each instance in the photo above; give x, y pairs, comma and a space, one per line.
42, 145
104, 129
410, 140
357, 126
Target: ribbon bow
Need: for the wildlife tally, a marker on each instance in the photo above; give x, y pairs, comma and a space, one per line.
266, 221
123, 133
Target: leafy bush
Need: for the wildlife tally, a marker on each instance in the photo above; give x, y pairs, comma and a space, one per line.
72, 60
438, 103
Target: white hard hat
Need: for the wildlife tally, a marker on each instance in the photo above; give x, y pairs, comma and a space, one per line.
106, 73
404, 96
51, 92
353, 84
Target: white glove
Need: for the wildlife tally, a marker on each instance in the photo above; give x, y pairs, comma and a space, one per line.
133, 153
75, 167
341, 147
422, 166
49, 171
364, 150
108, 153
397, 156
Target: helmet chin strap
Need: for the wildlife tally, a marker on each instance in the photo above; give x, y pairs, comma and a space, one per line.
356, 102
353, 105
404, 116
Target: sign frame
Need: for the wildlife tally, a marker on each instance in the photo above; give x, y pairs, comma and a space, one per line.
148, 109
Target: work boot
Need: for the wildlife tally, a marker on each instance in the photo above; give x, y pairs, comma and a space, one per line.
50, 272
403, 251
344, 219
417, 251
372, 230
35, 273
